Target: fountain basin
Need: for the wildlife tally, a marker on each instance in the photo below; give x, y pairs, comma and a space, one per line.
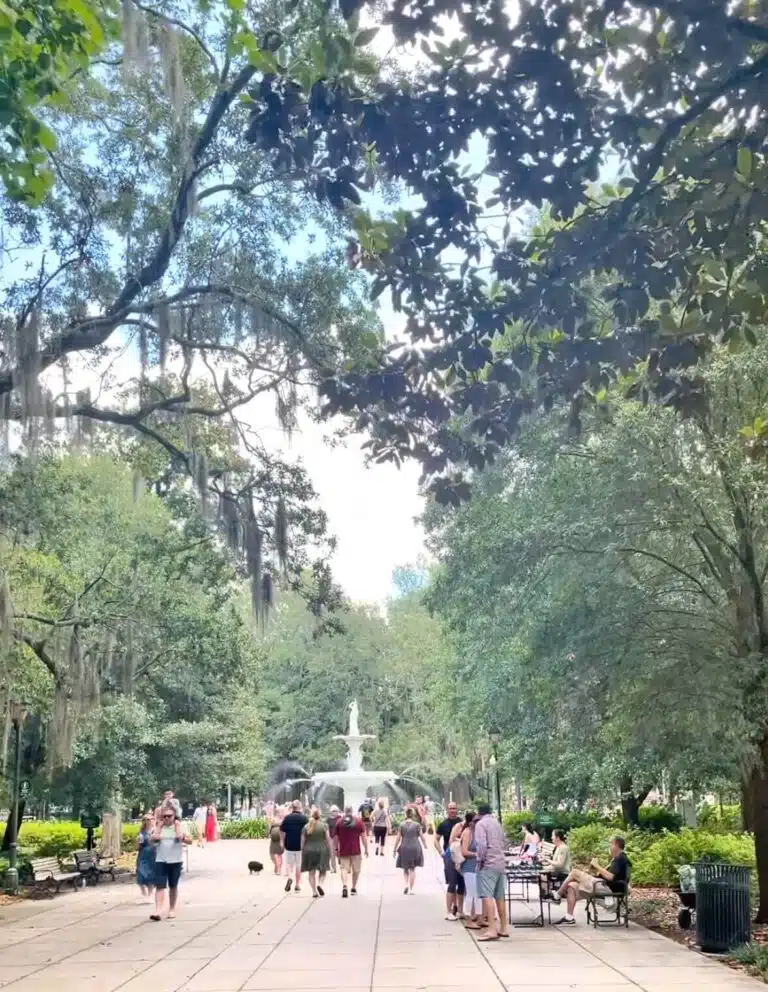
354, 783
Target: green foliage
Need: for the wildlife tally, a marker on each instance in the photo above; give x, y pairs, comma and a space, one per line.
717, 819
754, 956
41, 45
244, 829
659, 863
655, 858
659, 818
57, 839
591, 841
564, 819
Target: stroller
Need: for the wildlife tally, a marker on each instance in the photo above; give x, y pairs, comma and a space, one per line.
686, 892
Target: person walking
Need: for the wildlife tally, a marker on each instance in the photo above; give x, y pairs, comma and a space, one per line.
199, 818
276, 841
211, 823
491, 868
333, 818
290, 835
409, 849
316, 852
350, 833
381, 826
169, 839
145, 859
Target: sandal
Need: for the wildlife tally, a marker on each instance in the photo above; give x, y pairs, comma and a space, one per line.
486, 939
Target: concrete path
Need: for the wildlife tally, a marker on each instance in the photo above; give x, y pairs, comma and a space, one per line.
239, 932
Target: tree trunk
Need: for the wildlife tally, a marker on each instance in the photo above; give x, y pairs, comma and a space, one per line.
759, 811
747, 812
112, 828
5, 846
631, 802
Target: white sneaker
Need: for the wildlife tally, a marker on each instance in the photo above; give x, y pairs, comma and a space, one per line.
452, 917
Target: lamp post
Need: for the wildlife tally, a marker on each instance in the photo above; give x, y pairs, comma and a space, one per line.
495, 737
12, 874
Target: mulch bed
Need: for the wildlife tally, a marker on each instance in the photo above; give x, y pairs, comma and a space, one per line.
657, 908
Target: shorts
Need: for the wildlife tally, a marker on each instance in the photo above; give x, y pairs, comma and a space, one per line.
380, 834
590, 884
292, 861
490, 884
351, 862
453, 878
167, 873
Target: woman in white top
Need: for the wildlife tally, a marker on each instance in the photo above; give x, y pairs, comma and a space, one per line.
531, 841
169, 840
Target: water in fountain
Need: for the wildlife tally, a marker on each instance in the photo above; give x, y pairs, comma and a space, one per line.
424, 788
354, 779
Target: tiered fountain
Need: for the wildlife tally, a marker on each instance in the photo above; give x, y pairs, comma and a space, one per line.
354, 780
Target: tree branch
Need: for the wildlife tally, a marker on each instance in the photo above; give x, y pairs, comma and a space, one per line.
94, 331
38, 646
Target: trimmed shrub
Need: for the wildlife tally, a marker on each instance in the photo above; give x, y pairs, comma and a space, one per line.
564, 819
591, 841
58, 839
658, 864
41, 839
244, 829
659, 818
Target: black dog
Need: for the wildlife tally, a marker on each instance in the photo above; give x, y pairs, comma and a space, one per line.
255, 866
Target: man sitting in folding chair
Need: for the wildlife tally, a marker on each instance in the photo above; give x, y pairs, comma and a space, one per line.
607, 881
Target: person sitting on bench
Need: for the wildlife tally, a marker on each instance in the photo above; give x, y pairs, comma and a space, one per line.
558, 865
580, 885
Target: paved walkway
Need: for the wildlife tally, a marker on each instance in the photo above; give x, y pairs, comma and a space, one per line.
237, 932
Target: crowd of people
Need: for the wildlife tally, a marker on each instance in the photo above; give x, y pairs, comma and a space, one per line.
473, 847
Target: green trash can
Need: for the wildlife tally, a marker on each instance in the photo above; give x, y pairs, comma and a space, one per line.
722, 907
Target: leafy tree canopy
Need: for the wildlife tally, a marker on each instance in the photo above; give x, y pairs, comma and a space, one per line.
666, 97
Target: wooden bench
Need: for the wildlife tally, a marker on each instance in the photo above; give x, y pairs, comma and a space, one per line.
92, 866
48, 872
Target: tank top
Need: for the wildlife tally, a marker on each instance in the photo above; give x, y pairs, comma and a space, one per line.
469, 865
380, 817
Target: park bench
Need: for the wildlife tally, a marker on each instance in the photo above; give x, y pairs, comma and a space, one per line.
92, 866
546, 850
48, 872
617, 914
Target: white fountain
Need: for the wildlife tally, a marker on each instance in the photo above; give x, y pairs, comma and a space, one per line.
354, 780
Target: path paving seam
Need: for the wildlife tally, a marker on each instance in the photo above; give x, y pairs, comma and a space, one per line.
64, 926
378, 929
215, 923
481, 951
275, 946
625, 978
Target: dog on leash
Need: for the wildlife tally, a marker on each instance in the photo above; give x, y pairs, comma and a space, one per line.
254, 866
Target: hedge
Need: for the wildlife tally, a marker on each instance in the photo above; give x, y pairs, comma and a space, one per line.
656, 857
244, 829
57, 839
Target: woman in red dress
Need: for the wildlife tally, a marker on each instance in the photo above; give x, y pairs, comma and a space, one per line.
211, 824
